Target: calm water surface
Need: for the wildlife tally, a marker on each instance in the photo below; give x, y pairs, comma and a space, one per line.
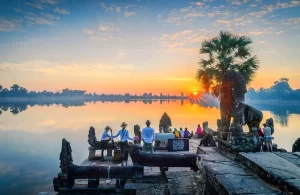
30, 141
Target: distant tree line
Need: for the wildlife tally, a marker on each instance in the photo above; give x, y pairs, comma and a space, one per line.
281, 90
18, 91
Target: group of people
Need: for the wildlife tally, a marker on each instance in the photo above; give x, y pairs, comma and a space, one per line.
266, 133
182, 133
148, 136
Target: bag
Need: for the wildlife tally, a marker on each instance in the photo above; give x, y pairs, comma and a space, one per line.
124, 131
177, 134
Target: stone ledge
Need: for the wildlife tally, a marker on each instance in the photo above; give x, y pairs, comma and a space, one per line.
273, 169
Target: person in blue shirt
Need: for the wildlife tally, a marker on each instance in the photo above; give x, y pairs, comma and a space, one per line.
124, 136
148, 136
105, 138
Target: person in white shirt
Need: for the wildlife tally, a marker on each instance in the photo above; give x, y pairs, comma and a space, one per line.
124, 136
105, 138
148, 136
267, 137
181, 132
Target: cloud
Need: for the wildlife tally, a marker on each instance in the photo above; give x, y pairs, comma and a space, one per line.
192, 15
113, 8
17, 10
51, 2
292, 21
107, 28
34, 19
199, 3
76, 70
128, 14
174, 79
61, 11
237, 2
181, 41
87, 31
9, 25
265, 9
121, 55
224, 21
102, 4
35, 5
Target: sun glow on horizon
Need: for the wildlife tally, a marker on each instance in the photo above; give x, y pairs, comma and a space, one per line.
195, 92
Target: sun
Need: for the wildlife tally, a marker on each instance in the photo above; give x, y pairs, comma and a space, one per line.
195, 92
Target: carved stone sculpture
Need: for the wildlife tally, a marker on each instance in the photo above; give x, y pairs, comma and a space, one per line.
92, 137
165, 123
232, 96
65, 157
296, 146
208, 140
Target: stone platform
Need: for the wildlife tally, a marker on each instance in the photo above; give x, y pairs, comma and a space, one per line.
220, 173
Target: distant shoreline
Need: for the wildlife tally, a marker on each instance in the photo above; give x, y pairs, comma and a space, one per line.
76, 98
273, 102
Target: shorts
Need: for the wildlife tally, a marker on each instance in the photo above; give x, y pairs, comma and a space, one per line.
268, 139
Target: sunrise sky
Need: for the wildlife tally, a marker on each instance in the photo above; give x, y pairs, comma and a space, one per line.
138, 46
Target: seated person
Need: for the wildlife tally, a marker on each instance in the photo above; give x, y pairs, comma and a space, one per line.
186, 133
105, 139
199, 131
176, 133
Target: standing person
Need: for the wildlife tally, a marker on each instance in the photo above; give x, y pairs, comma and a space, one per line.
267, 137
186, 133
181, 132
124, 136
148, 136
199, 130
105, 138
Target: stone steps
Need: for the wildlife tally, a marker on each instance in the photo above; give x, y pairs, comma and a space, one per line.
226, 176
274, 169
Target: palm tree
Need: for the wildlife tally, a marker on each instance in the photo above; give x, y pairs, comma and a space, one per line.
226, 51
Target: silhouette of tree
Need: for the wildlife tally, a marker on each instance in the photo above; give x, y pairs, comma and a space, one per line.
226, 51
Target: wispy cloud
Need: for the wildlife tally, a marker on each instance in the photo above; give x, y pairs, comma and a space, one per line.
292, 21
35, 19
102, 4
107, 28
35, 5
237, 2
9, 25
17, 10
88, 31
265, 9
113, 8
51, 2
50, 68
128, 14
174, 79
61, 11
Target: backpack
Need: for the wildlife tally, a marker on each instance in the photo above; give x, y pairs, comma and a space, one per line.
177, 134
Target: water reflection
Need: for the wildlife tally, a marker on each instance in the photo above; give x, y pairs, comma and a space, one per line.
30, 141
281, 112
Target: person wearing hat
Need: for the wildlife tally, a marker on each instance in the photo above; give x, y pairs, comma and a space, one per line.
105, 139
124, 136
148, 136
